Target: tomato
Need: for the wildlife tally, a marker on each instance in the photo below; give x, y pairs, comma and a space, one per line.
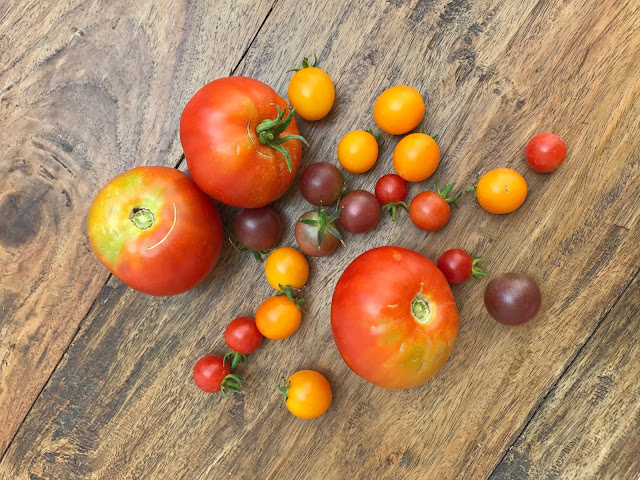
317, 232
502, 190
257, 230
398, 109
393, 317
391, 191
155, 230
358, 151
512, 298
416, 157
242, 337
545, 152
430, 211
286, 266
321, 182
311, 92
212, 374
239, 146
278, 317
457, 266
307, 394
359, 211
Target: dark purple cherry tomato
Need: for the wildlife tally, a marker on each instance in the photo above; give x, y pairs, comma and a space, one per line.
512, 298
321, 182
457, 266
317, 233
258, 229
360, 211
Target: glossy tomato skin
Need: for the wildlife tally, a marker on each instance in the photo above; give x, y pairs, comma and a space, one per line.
373, 321
360, 211
209, 373
501, 190
312, 93
257, 229
456, 265
278, 317
358, 151
416, 157
174, 250
242, 335
512, 298
545, 152
223, 152
309, 394
391, 188
321, 182
429, 211
398, 109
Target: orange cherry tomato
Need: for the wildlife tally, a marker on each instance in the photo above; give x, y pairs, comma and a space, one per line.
307, 394
286, 266
311, 92
358, 151
416, 157
278, 317
399, 109
501, 190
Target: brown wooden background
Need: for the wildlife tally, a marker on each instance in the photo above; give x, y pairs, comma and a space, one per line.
95, 378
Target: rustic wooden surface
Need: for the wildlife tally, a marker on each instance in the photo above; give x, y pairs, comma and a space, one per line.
91, 90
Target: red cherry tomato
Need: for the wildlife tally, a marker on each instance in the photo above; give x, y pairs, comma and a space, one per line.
242, 335
545, 152
212, 374
391, 191
430, 211
457, 266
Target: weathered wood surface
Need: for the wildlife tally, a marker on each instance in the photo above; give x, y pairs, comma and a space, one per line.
121, 402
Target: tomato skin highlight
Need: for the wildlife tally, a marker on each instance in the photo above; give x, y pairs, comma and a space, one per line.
308, 394
545, 152
312, 93
501, 190
358, 151
222, 149
286, 266
429, 211
398, 109
373, 321
242, 335
278, 317
416, 157
391, 188
209, 373
172, 255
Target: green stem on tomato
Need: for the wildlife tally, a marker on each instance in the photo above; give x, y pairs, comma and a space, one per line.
444, 193
392, 207
236, 358
268, 131
475, 270
231, 382
284, 389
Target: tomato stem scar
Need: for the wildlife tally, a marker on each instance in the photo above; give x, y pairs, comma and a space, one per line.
142, 217
420, 309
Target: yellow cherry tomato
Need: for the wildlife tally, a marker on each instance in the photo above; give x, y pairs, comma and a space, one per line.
278, 317
286, 266
358, 151
311, 92
307, 394
398, 109
416, 157
501, 190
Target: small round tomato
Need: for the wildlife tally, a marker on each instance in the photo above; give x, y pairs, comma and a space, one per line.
502, 190
311, 92
457, 266
416, 157
398, 110
358, 151
321, 182
155, 230
212, 374
286, 266
512, 298
359, 211
391, 188
257, 229
307, 394
430, 211
242, 335
545, 152
278, 317
317, 233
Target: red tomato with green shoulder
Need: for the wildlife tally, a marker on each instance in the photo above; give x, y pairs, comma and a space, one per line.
155, 230
240, 145
393, 317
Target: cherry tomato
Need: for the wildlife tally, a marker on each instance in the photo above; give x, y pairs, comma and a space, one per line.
393, 317
311, 92
358, 151
317, 232
258, 229
360, 211
502, 190
155, 230
212, 374
430, 211
416, 157
286, 266
307, 394
457, 266
278, 317
321, 182
391, 191
242, 335
545, 152
235, 151
398, 110
512, 298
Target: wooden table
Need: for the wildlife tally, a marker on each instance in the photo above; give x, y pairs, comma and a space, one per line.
95, 378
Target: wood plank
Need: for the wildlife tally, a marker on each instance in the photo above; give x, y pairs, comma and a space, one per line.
122, 403
87, 90
589, 426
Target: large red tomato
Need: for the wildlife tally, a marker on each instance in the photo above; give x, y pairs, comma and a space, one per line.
393, 317
155, 230
239, 147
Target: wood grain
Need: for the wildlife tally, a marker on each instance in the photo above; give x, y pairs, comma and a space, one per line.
493, 73
589, 426
87, 91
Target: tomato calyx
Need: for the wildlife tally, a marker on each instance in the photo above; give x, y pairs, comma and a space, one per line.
421, 309
305, 64
324, 223
236, 358
283, 389
435, 137
444, 193
288, 291
268, 131
392, 207
231, 384
378, 137
142, 217
475, 270
474, 187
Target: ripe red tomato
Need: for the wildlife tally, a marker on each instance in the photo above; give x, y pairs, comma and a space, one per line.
391, 191
393, 317
545, 152
212, 374
430, 211
235, 151
457, 266
155, 230
242, 335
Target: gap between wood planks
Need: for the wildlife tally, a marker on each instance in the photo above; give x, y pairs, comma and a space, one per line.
84, 318
543, 399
